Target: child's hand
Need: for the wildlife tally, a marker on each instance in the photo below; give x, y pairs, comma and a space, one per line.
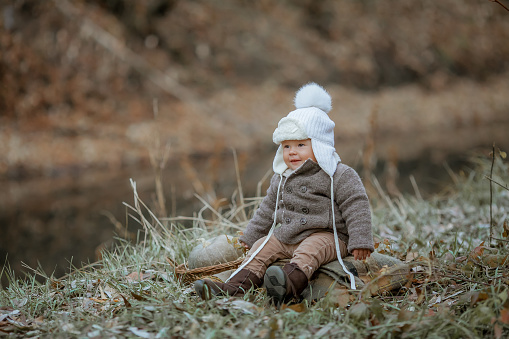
361, 253
243, 244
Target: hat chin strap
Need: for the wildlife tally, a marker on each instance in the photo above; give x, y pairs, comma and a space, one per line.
266, 238
336, 239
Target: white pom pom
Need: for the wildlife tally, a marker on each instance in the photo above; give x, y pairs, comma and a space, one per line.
313, 95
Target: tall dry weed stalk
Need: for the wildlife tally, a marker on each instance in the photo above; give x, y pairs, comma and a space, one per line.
493, 155
392, 173
158, 155
160, 234
368, 156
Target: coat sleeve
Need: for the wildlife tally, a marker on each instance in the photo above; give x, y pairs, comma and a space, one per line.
351, 197
259, 226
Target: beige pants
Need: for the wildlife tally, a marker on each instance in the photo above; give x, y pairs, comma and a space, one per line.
311, 253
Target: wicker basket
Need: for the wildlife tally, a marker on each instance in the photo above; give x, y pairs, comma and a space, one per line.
188, 276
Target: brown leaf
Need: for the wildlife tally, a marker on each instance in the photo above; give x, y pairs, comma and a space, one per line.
432, 254
477, 297
494, 260
504, 316
411, 256
461, 259
405, 315
359, 311
57, 284
302, 307
497, 331
39, 320
136, 276
477, 252
137, 297
126, 302
505, 234
340, 297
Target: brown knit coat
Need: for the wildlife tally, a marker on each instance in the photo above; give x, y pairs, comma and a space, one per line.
305, 207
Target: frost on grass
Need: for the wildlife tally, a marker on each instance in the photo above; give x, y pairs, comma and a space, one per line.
457, 288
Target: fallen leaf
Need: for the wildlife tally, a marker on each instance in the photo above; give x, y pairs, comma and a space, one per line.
495, 260
405, 315
477, 297
126, 302
359, 311
39, 320
377, 309
505, 234
411, 256
497, 331
138, 297
301, 307
504, 316
477, 252
137, 277
340, 297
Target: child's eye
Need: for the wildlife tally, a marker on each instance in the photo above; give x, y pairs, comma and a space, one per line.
302, 145
286, 146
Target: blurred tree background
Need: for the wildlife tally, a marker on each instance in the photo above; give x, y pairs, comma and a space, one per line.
90, 89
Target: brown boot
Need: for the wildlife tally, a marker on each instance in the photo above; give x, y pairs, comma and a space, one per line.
236, 287
285, 283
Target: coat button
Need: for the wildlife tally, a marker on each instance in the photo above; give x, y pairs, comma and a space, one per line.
303, 221
305, 210
290, 207
287, 220
303, 189
288, 190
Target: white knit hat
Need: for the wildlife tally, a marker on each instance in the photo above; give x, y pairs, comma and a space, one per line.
309, 121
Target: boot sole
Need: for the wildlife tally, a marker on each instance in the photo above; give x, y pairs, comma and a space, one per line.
202, 289
275, 283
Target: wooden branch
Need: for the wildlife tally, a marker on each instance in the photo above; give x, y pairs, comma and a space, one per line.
495, 182
501, 4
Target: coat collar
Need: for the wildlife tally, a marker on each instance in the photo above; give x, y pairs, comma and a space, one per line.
308, 166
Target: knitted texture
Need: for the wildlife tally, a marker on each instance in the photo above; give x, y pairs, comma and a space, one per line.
305, 207
309, 121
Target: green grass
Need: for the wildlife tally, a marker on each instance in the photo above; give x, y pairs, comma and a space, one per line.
133, 292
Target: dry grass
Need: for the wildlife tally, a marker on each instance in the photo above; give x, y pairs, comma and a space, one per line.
458, 289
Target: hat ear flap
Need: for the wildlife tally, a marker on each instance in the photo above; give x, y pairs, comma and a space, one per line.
279, 165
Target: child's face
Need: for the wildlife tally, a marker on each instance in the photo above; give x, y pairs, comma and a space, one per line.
296, 152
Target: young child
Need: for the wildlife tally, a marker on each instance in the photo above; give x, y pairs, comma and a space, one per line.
316, 208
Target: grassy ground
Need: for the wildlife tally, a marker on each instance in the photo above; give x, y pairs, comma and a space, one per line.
458, 286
